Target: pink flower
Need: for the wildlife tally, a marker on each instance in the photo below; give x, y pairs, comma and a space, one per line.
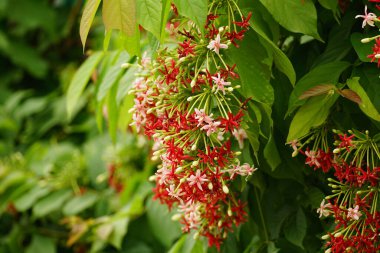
220, 83
354, 213
175, 193
212, 127
323, 209
197, 179
202, 117
240, 135
242, 170
215, 44
369, 18
312, 158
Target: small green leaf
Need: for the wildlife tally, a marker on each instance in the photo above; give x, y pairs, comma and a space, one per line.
79, 81
51, 203
312, 114
120, 228
281, 61
41, 244
295, 15
110, 79
149, 15
120, 15
196, 10
163, 228
166, 6
79, 203
87, 17
26, 201
366, 105
324, 74
296, 230
271, 153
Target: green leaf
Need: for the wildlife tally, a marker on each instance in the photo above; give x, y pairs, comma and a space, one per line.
196, 10
113, 112
366, 105
296, 16
281, 61
120, 15
110, 79
163, 228
312, 114
328, 73
120, 228
16, 177
166, 6
87, 17
26, 201
361, 49
271, 153
79, 81
149, 16
51, 203
41, 244
79, 203
296, 230
254, 73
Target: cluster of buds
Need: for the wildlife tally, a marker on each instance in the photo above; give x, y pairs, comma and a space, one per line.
353, 203
185, 101
370, 19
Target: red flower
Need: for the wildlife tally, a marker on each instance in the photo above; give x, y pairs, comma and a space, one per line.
245, 21
376, 52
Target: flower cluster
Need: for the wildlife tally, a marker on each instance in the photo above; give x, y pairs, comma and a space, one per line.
353, 203
370, 18
185, 102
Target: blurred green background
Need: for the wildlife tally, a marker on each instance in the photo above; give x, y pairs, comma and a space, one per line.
64, 186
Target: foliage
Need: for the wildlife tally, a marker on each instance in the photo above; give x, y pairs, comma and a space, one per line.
302, 68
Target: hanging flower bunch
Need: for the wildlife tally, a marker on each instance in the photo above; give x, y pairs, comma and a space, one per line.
354, 202
185, 101
370, 19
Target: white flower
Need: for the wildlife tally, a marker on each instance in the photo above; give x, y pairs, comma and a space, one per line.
369, 18
354, 213
240, 135
211, 127
323, 210
215, 44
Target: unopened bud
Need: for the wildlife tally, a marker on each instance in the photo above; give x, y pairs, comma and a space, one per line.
221, 29
125, 65
328, 250
152, 178
178, 170
176, 217
167, 138
237, 87
295, 153
193, 83
377, 56
365, 40
182, 180
101, 178
131, 91
194, 147
189, 98
225, 190
196, 236
337, 234
150, 111
230, 89
229, 212
154, 158
220, 223
237, 153
131, 110
210, 186
325, 237
336, 151
156, 135
194, 164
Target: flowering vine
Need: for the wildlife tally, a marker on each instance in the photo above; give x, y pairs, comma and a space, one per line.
370, 19
185, 101
353, 202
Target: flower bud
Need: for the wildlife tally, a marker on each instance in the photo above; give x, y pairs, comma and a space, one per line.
220, 223
325, 237
196, 236
337, 234
237, 153
328, 250
125, 65
365, 40
176, 217
295, 153
131, 91
377, 56
195, 164
182, 180
194, 147
132, 110
210, 186
154, 158
193, 83
229, 212
225, 190
189, 98
156, 135
178, 170
230, 89
152, 178
336, 151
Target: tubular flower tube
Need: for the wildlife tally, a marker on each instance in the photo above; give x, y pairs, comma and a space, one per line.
185, 101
